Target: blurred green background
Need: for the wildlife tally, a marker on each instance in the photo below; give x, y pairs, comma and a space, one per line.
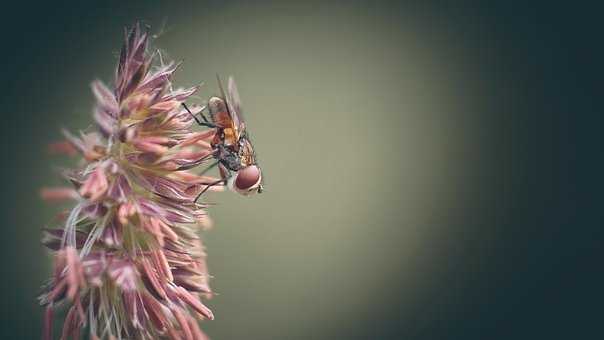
430, 169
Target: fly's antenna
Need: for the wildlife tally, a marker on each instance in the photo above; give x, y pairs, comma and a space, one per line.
208, 186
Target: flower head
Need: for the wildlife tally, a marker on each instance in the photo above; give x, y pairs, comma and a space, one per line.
128, 260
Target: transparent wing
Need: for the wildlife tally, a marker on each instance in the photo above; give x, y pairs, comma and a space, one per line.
222, 95
233, 104
235, 100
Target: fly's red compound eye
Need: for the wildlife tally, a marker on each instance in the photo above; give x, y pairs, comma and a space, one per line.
247, 177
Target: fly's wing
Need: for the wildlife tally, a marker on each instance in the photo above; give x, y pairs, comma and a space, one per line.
233, 109
234, 105
221, 118
222, 95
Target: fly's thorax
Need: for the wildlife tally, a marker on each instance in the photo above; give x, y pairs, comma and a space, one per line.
228, 157
231, 161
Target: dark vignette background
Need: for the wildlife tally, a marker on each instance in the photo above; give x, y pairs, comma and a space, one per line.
433, 170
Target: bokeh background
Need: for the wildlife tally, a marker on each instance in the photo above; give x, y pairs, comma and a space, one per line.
432, 171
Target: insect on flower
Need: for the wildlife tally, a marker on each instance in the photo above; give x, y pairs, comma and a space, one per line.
231, 145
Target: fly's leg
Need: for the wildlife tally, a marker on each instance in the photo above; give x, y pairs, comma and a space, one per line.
224, 172
222, 180
201, 160
205, 122
209, 168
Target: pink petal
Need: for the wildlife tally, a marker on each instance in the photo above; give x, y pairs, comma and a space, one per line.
198, 137
62, 147
48, 316
124, 274
182, 321
105, 98
75, 272
72, 324
152, 275
180, 94
95, 265
162, 263
150, 147
155, 312
168, 232
194, 303
95, 185
159, 78
58, 194
165, 106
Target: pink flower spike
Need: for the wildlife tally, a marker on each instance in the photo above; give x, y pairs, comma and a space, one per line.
128, 261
